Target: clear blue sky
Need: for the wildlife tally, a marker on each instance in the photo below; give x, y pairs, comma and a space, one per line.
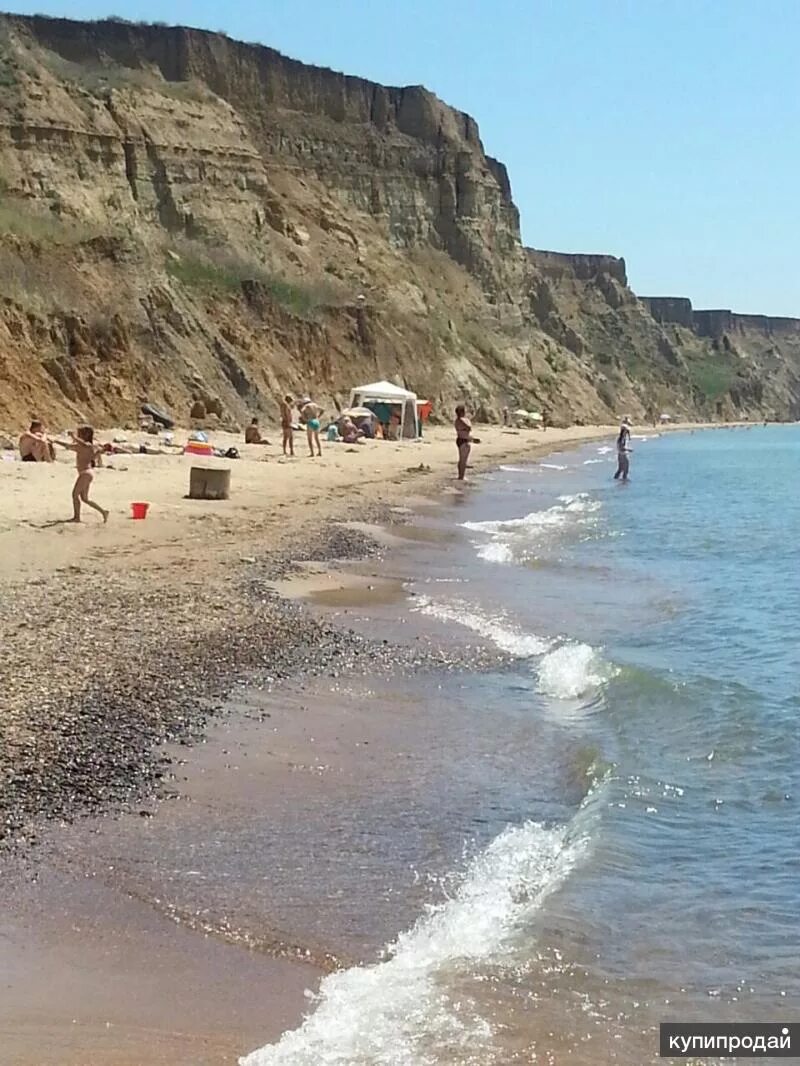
667, 131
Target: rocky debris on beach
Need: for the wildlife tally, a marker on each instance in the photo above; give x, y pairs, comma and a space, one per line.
118, 665
335, 542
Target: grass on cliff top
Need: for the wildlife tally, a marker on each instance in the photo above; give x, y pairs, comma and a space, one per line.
225, 273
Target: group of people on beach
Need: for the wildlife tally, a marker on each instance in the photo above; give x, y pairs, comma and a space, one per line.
310, 418
35, 446
465, 440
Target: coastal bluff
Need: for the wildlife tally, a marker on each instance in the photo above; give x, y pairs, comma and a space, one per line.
715, 323
185, 217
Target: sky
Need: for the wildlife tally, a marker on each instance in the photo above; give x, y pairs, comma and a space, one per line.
664, 131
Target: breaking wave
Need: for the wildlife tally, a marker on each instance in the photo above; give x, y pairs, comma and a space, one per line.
503, 634
406, 1010
515, 539
573, 670
566, 670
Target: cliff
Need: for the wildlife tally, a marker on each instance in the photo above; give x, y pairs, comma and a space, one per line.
183, 216
746, 362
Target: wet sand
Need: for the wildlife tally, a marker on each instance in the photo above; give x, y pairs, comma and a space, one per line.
94, 975
147, 941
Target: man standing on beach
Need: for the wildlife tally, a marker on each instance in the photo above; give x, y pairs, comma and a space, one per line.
310, 415
623, 451
287, 403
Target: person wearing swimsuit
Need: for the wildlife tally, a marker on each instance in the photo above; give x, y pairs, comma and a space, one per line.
464, 440
287, 403
87, 456
310, 414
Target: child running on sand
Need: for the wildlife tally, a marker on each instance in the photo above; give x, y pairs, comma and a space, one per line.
87, 453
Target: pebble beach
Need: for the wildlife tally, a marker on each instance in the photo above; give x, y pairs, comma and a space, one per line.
120, 638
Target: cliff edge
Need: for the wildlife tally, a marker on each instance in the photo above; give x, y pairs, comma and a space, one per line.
184, 217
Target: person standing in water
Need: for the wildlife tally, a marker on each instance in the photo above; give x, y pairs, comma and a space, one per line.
623, 451
87, 455
464, 439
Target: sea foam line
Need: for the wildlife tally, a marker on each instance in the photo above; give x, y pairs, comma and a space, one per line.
566, 669
503, 634
557, 515
514, 538
399, 1012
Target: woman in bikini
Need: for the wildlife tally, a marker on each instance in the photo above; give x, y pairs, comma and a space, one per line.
87, 455
464, 439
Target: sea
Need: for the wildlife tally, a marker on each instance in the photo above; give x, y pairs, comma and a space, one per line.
599, 830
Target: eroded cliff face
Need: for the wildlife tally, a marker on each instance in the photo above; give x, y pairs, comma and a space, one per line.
183, 216
750, 362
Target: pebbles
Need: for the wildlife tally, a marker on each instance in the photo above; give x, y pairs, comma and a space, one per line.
127, 661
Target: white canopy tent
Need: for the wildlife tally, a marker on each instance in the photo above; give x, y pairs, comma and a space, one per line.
386, 393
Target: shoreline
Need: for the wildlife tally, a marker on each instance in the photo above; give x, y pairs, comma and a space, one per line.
169, 618
291, 657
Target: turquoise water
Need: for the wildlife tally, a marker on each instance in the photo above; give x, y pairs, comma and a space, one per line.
656, 668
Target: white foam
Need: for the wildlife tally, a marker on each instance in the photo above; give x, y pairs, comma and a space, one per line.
605, 449
579, 503
496, 552
591, 462
571, 671
514, 469
503, 634
557, 515
515, 538
553, 466
400, 1012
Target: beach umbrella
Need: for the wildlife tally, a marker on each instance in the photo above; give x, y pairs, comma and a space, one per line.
358, 412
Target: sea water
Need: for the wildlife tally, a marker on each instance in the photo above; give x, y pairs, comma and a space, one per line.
652, 629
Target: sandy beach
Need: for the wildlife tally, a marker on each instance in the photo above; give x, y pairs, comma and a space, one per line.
114, 607
272, 499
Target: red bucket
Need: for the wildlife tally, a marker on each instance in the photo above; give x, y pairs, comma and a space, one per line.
139, 510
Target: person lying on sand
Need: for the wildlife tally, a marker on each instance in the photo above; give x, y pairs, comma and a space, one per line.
252, 435
121, 448
87, 456
35, 446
